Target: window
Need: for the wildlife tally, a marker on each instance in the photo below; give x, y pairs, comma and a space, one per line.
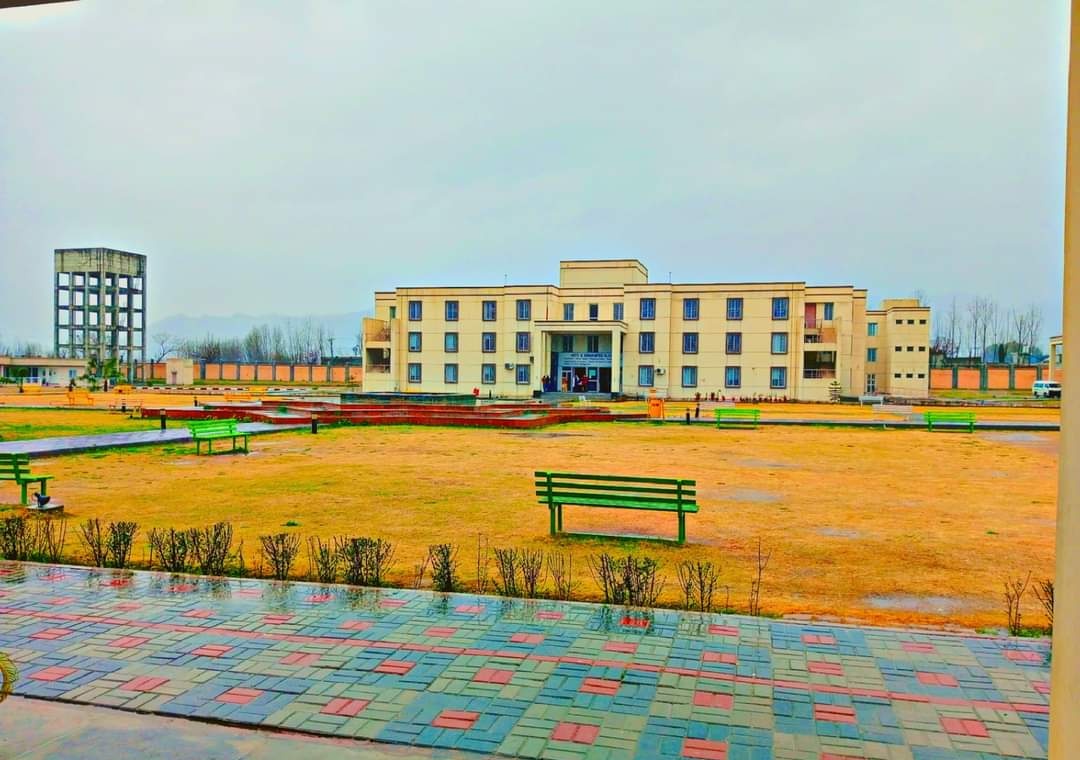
592, 344
414, 372
450, 343
871, 383
567, 343
450, 373
617, 312
779, 343
393, 312
780, 308
689, 343
922, 321
871, 354
689, 377
778, 377
897, 376
487, 343
523, 342
524, 310
871, 329
523, 374
922, 375
828, 311
645, 375
911, 348
922, 348
910, 375
733, 343
487, 374
691, 308
646, 342
734, 311
899, 321
451, 311
594, 312
648, 308
568, 312
733, 377
899, 348
489, 311
911, 321
414, 342
416, 311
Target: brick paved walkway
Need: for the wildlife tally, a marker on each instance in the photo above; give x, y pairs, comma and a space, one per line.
73, 444
529, 679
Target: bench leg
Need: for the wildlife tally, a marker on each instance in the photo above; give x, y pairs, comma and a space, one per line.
682, 528
560, 517
551, 515
23, 486
44, 487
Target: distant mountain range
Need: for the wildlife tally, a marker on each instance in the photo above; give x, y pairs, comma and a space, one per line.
343, 327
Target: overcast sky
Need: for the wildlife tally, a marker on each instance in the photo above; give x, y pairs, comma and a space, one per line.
292, 157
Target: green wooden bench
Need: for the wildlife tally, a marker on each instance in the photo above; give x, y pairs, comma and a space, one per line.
213, 430
16, 467
951, 420
734, 416
556, 489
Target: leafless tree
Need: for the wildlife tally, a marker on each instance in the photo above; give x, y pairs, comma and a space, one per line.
165, 343
1026, 330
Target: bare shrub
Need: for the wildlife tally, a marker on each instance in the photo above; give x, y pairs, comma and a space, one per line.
280, 551
92, 535
1015, 588
506, 569
323, 560
367, 561
170, 547
483, 562
443, 558
119, 540
698, 583
532, 571
561, 567
631, 581
419, 569
211, 548
16, 538
50, 535
761, 562
1044, 592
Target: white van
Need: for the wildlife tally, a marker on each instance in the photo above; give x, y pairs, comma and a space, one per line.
1046, 389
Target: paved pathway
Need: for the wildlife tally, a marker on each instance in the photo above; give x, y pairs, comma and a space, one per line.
32, 729
883, 422
526, 679
73, 444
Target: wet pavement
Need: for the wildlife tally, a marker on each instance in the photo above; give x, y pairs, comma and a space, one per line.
527, 679
73, 444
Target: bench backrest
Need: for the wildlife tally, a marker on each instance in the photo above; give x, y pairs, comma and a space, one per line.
212, 427
947, 416
12, 466
567, 486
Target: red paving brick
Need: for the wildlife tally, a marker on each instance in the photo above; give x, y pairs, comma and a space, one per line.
723, 630
602, 686
470, 609
50, 634
825, 668
277, 619
819, 639
128, 642
493, 675
724, 658
964, 727
395, 667
144, 683
300, 658
54, 673
578, 733
440, 632
623, 647
835, 713
713, 699
702, 749
918, 647
239, 695
527, 638
348, 708
455, 719
356, 625
936, 679
212, 650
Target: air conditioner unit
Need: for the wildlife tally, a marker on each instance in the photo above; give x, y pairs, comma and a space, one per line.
660, 370
509, 365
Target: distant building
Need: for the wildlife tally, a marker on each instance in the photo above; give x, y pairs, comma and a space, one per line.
1056, 369
99, 297
606, 329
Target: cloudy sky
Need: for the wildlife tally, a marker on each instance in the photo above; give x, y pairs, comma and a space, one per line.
293, 157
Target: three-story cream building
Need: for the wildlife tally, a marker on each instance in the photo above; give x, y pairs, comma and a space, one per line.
606, 329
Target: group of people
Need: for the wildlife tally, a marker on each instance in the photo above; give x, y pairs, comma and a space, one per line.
575, 383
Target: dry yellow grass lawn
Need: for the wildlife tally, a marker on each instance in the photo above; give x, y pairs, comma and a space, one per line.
879, 526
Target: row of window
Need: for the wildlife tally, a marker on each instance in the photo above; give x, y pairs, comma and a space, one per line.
732, 343
871, 353
646, 310
732, 377
522, 373
871, 327
646, 343
487, 342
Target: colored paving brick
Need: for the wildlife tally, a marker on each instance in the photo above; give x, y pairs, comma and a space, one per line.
518, 678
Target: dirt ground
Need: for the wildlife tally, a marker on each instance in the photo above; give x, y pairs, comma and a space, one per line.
877, 526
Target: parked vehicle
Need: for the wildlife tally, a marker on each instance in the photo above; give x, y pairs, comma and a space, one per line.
1046, 389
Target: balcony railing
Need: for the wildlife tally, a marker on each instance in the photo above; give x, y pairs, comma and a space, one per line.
376, 331
377, 369
818, 374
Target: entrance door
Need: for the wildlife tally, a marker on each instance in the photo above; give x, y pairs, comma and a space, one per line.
593, 382
566, 380
605, 379
811, 315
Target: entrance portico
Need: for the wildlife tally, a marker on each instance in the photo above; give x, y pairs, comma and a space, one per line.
581, 357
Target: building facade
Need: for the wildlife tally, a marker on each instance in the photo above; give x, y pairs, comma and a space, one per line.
99, 304
606, 329
1056, 361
